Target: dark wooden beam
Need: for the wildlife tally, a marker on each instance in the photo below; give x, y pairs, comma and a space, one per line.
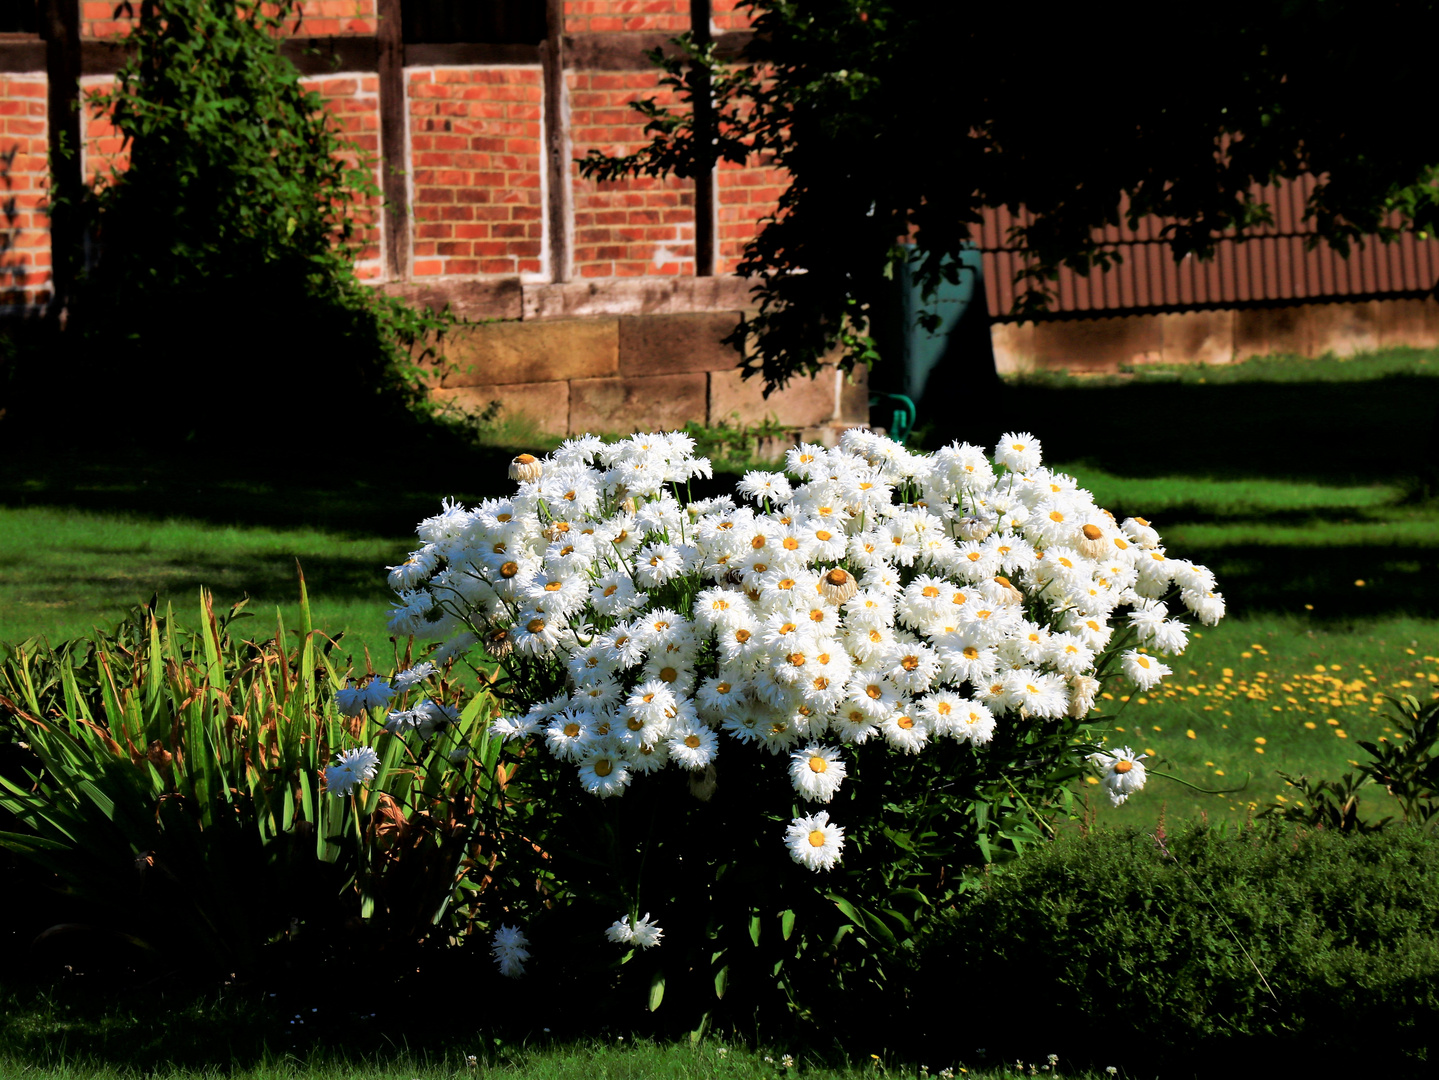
463, 54
61, 28
559, 217
624, 50
324, 55
704, 120
22, 52
394, 179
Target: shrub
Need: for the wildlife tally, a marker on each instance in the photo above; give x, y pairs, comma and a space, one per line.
1311, 947
173, 785
222, 280
683, 681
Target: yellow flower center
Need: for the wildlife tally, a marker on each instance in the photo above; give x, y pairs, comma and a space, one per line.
971, 653
610, 590
534, 626
554, 586
757, 542
603, 767
796, 658
525, 459
692, 741
1055, 515
874, 691
909, 663
818, 764
904, 722
822, 535
1123, 766
509, 570
742, 635
1091, 532
944, 708
816, 838
668, 674
571, 730
502, 517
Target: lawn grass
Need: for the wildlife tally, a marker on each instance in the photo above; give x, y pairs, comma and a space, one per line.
56, 1036
1298, 481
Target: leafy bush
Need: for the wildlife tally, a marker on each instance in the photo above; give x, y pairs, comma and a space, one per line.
1200, 950
223, 277
683, 680
169, 784
1406, 766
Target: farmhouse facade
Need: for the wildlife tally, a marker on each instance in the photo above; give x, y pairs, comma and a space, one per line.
617, 294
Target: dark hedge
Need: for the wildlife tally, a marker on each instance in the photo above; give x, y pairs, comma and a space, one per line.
1126, 951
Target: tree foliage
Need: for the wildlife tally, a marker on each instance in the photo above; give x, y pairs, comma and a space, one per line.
224, 251
901, 120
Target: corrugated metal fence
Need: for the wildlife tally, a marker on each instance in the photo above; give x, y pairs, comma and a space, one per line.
1270, 265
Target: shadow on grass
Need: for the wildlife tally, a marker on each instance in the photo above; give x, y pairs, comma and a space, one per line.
1265, 579
1380, 431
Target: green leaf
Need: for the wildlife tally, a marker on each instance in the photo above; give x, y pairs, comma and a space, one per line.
721, 981
657, 990
786, 923
754, 928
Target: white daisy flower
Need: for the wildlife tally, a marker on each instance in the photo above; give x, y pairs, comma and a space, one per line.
509, 951
1121, 773
694, 749
1142, 670
604, 774
356, 766
1018, 451
814, 842
817, 772
412, 677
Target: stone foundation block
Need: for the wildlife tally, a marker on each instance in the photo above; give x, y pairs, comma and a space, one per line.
644, 403
803, 403
542, 408
666, 344
506, 353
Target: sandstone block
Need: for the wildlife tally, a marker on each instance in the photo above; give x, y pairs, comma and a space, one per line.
854, 398
488, 299
640, 403
1409, 322
1264, 331
803, 403
1343, 329
500, 354
1197, 337
1097, 344
540, 408
636, 296
669, 344
1013, 347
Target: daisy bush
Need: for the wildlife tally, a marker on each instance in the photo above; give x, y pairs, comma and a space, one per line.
781, 722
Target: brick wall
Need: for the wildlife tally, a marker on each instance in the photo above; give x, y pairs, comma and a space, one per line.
353, 100
746, 194
24, 180
108, 18
316, 18
728, 15
104, 147
643, 226
476, 182
601, 16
